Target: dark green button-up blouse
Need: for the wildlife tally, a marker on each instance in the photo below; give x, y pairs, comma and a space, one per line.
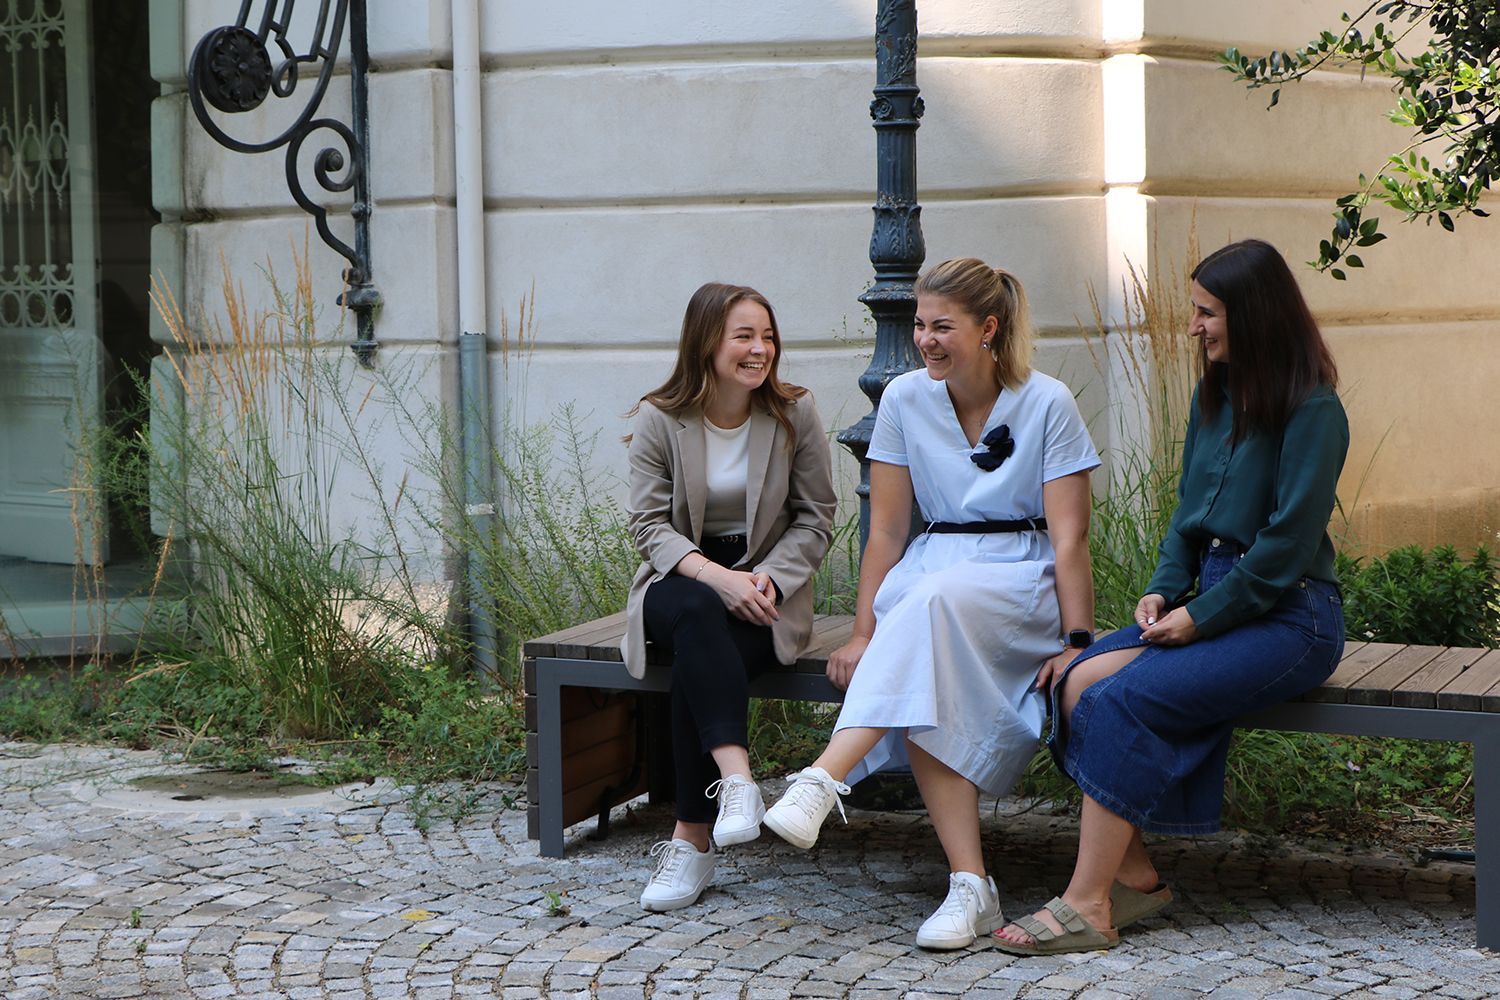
1271, 495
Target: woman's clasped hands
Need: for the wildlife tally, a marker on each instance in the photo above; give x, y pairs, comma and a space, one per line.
750, 597
1174, 628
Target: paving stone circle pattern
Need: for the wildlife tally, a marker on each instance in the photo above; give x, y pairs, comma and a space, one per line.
108, 894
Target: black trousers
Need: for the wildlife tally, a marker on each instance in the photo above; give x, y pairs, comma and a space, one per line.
714, 657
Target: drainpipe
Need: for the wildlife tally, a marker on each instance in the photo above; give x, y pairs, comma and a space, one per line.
473, 359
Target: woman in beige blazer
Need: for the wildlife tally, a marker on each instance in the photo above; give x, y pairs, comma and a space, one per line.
731, 503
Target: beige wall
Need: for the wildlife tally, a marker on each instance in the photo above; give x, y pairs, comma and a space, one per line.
1416, 333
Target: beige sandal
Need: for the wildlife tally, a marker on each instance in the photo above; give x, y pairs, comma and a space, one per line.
1078, 934
1129, 906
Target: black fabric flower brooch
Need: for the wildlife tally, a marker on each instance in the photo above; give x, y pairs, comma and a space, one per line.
998, 445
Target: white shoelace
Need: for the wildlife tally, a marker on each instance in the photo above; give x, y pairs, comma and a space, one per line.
670, 858
733, 795
957, 903
805, 793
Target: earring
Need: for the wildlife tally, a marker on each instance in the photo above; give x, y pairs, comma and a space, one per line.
984, 345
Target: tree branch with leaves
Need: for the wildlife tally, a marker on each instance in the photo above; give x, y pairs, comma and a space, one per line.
1448, 95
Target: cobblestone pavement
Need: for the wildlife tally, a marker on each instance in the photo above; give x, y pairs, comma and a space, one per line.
104, 893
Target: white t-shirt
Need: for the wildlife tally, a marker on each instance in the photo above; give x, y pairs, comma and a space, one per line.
728, 462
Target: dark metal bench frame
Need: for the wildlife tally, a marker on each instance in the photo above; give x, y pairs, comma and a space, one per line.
1482, 729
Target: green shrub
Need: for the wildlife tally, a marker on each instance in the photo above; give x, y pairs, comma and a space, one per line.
1431, 598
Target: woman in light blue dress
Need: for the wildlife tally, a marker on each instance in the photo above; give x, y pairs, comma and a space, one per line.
954, 629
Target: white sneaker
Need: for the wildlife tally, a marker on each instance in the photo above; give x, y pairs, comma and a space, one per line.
971, 910
740, 810
682, 872
798, 815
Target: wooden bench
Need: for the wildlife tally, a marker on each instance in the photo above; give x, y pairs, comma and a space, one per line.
588, 751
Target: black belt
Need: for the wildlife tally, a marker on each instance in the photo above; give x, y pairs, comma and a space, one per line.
725, 540
986, 527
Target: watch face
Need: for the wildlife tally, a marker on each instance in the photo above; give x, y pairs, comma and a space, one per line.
1080, 638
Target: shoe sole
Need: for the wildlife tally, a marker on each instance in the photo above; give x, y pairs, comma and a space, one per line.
742, 837
664, 905
982, 929
795, 839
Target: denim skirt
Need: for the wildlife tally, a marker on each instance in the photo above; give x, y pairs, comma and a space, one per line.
1149, 742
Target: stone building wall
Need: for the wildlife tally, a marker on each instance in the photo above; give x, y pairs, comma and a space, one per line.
633, 151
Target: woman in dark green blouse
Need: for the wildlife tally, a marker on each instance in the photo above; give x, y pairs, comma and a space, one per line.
1243, 611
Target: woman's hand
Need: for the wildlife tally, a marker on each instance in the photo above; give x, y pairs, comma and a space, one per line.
748, 596
1176, 629
1149, 610
763, 584
1053, 668
842, 661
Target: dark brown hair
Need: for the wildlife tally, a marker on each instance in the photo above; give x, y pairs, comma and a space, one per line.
1277, 355
981, 291
692, 383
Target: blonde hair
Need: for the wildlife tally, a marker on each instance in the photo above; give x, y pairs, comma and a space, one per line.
983, 291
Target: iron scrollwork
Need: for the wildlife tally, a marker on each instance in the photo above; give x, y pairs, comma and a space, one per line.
233, 71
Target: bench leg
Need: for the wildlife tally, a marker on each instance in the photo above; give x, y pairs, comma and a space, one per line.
549, 765
1487, 841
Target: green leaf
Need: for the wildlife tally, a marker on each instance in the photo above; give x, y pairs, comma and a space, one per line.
1353, 261
1446, 221
1337, 274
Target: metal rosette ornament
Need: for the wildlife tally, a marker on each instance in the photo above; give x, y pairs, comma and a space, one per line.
232, 71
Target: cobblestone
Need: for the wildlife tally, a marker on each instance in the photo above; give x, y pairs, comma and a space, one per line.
105, 896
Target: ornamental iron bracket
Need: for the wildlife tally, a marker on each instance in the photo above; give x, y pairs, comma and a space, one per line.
232, 70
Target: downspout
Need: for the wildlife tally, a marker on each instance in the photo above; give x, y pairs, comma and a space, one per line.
473, 359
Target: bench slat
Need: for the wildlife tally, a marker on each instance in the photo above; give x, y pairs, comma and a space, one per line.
1375, 687
1353, 667
1421, 688
1491, 700
1466, 691
607, 647
547, 645
579, 647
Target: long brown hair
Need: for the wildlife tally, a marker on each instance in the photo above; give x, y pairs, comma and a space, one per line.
983, 291
1277, 355
692, 383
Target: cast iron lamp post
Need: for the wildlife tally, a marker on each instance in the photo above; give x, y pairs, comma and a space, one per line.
896, 246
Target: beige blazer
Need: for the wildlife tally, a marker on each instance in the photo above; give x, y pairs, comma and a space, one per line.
789, 505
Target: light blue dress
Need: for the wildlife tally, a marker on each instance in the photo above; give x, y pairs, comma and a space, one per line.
964, 621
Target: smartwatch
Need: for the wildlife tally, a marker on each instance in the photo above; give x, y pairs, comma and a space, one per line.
1078, 638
